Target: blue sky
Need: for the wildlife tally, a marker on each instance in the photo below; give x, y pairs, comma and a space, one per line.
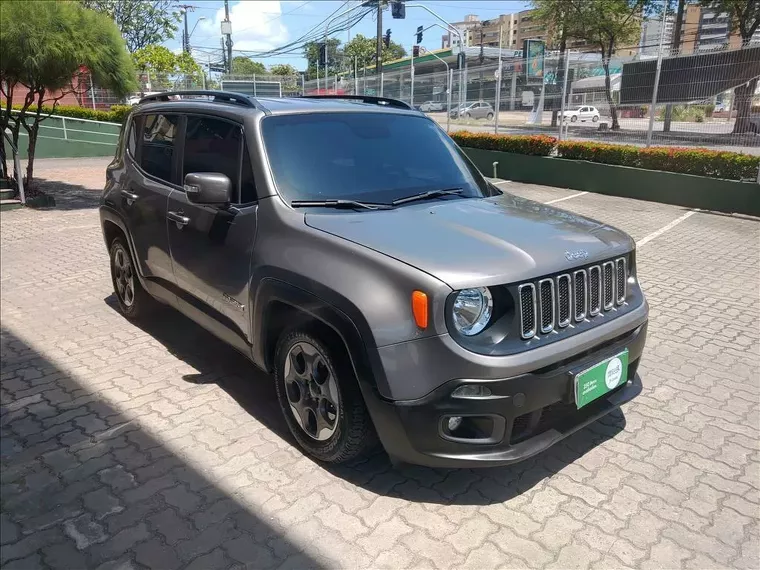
259, 25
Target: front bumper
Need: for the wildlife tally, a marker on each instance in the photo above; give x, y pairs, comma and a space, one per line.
525, 414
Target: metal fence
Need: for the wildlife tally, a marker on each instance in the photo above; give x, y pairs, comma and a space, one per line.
705, 116
707, 121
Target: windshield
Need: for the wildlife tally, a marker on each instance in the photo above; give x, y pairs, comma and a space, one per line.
370, 157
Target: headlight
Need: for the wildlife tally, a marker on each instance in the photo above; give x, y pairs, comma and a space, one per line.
472, 310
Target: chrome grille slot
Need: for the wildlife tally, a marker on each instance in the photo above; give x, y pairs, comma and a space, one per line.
608, 285
527, 293
546, 296
594, 290
580, 289
621, 280
563, 300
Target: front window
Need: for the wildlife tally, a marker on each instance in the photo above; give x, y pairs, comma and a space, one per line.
370, 157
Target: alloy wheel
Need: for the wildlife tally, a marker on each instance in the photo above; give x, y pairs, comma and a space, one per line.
312, 391
124, 277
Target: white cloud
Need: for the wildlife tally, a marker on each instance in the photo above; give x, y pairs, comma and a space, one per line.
256, 25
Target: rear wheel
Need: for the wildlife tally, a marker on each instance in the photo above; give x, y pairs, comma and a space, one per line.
595, 118
489, 116
320, 398
131, 296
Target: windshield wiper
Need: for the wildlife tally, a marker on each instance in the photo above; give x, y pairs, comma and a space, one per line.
338, 204
428, 194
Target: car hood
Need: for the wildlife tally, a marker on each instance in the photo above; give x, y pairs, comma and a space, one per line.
478, 242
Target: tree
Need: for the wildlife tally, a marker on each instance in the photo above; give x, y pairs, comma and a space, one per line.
745, 17
605, 23
160, 62
554, 13
289, 75
364, 50
141, 22
243, 66
334, 57
45, 50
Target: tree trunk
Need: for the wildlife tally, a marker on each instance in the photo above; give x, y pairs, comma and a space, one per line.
743, 104
608, 92
5, 118
33, 130
560, 75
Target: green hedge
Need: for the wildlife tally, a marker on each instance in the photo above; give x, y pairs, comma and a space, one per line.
698, 161
117, 114
537, 145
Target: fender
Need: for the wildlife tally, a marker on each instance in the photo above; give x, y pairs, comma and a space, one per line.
326, 306
109, 214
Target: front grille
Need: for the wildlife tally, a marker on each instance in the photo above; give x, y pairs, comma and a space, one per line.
594, 290
546, 295
555, 302
527, 309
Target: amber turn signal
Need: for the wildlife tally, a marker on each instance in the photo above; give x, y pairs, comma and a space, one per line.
420, 309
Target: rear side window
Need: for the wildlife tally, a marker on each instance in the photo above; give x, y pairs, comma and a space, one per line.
158, 143
212, 145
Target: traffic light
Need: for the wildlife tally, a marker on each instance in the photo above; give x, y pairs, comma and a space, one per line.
419, 34
398, 10
387, 38
415, 51
323, 54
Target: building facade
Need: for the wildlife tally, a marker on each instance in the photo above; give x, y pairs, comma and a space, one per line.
705, 29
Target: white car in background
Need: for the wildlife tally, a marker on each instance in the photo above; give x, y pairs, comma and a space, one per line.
583, 114
432, 106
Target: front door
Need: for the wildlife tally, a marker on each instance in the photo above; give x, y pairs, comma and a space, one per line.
146, 190
211, 246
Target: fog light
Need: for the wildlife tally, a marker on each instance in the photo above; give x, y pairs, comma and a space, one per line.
471, 391
454, 423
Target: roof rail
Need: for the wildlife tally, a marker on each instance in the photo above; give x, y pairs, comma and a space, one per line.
220, 96
364, 99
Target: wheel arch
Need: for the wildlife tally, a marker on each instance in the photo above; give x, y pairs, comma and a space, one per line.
280, 305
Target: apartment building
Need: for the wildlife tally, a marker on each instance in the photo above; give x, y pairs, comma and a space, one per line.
706, 29
651, 31
514, 28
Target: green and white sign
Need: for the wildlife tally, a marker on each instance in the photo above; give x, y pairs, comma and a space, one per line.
601, 378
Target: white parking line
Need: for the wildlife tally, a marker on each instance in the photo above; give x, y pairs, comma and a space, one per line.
550, 201
664, 229
565, 198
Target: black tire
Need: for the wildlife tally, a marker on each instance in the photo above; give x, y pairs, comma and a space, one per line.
489, 116
354, 433
467, 116
595, 119
134, 305
573, 118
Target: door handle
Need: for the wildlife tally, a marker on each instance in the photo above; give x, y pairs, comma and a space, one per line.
178, 218
129, 196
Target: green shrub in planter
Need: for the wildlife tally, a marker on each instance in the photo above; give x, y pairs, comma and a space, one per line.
537, 145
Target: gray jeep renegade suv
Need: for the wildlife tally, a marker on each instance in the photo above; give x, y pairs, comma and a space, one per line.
349, 247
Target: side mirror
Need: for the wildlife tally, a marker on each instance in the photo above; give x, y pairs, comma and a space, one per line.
208, 188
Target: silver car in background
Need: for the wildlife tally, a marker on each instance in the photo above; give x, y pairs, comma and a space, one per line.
473, 110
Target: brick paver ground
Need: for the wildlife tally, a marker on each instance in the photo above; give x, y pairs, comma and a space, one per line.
159, 447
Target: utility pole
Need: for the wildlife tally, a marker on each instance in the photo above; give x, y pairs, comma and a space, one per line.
379, 46
185, 8
227, 31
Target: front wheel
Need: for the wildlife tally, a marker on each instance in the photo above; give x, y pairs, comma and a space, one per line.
595, 118
468, 116
573, 119
320, 398
489, 116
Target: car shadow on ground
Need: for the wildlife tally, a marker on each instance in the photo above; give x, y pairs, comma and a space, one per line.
68, 196
254, 390
90, 487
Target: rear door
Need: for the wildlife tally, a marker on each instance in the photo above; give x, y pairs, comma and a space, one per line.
146, 191
211, 252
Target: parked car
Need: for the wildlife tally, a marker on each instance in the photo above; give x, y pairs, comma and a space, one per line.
473, 110
390, 290
583, 114
432, 107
